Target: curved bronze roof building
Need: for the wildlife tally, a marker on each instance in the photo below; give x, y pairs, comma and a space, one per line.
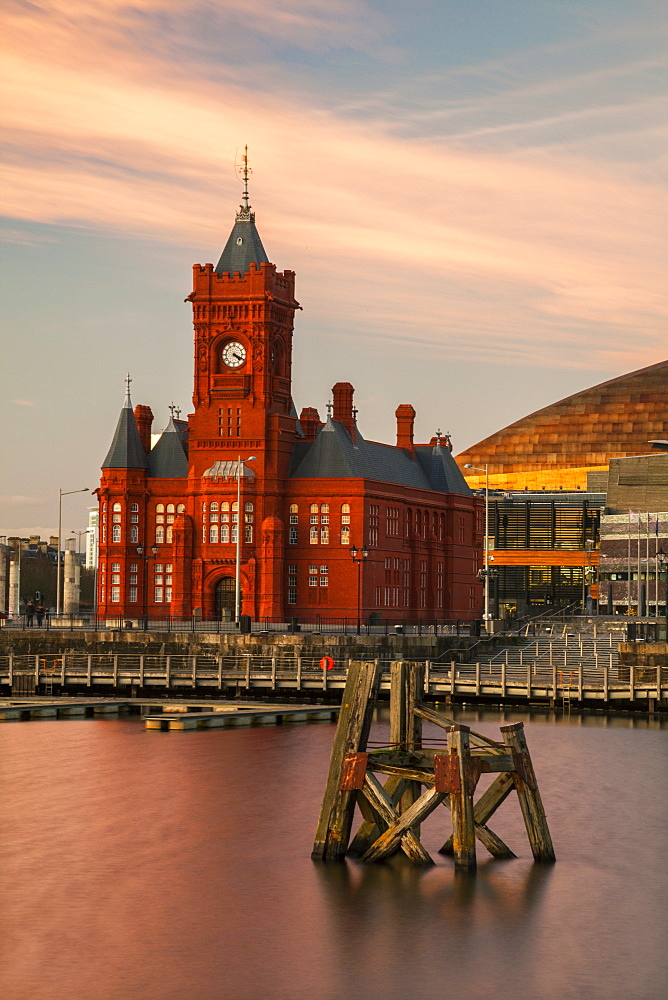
554, 448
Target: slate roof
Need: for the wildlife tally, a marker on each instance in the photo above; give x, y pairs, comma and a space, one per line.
167, 459
244, 246
126, 450
333, 455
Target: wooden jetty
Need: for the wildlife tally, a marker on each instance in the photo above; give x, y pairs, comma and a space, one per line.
549, 680
174, 722
170, 716
392, 813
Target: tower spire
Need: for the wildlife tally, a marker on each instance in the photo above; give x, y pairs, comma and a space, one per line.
245, 214
128, 401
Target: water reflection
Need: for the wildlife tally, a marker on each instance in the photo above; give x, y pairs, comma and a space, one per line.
178, 866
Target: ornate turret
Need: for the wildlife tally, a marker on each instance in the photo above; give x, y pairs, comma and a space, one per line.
127, 451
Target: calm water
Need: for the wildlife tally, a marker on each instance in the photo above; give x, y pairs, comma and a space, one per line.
160, 865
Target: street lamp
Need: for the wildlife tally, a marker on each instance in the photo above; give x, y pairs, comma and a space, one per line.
486, 544
359, 556
61, 494
589, 544
240, 527
662, 560
140, 552
73, 531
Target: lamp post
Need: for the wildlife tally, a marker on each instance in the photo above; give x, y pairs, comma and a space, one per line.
154, 553
359, 556
61, 494
73, 531
485, 570
662, 560
240, 527
585, 571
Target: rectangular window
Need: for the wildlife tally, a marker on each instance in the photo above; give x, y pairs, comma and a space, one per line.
313, 576
374, 514
294, 519
157, 595
392, 521
133, 579
292, 595
132, 595
313, 519
345, 534
379, 595
324, 575
115, 594
168, 594
293, 536
115, 567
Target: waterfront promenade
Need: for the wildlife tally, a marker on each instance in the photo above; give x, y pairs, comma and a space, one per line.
550, 673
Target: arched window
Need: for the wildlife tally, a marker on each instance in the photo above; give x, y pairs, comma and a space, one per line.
181, 509
134, 534
116, 533
213, 533
134, 507
116, 513
160, 508
159, 534
214, 506
235, 515
345, 517
170, 508
224, 532
314, 508
294, 509
203, 533
248, 505
248, 532
203, 508
233, 533
324, 508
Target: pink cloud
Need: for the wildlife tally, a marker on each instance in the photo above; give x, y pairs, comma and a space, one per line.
422, 241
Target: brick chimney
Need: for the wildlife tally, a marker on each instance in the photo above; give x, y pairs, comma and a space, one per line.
144, 421
310, 422
405, 415
342, 394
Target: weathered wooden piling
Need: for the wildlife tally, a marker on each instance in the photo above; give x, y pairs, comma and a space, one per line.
392, 813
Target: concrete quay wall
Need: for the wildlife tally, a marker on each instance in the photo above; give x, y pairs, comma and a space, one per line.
382, 647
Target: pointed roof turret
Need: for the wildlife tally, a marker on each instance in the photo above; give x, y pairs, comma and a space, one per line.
167, 460
244, 246
126, 450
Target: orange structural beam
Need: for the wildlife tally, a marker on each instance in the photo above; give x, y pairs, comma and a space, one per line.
542, 557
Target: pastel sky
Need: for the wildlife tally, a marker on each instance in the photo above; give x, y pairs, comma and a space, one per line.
471, 193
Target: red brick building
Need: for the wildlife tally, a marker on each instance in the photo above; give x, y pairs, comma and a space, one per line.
312, 491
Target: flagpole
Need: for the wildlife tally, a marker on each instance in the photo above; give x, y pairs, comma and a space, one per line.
639, 609
628, 569
656, 566
647, 593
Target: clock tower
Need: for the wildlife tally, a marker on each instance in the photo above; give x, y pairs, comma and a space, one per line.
243, 314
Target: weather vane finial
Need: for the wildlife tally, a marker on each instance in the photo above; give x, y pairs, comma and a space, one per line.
128, 380
243, 172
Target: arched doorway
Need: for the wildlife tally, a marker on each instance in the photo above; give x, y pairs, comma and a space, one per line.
225, 602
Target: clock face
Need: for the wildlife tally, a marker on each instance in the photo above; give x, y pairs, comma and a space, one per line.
234, 354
